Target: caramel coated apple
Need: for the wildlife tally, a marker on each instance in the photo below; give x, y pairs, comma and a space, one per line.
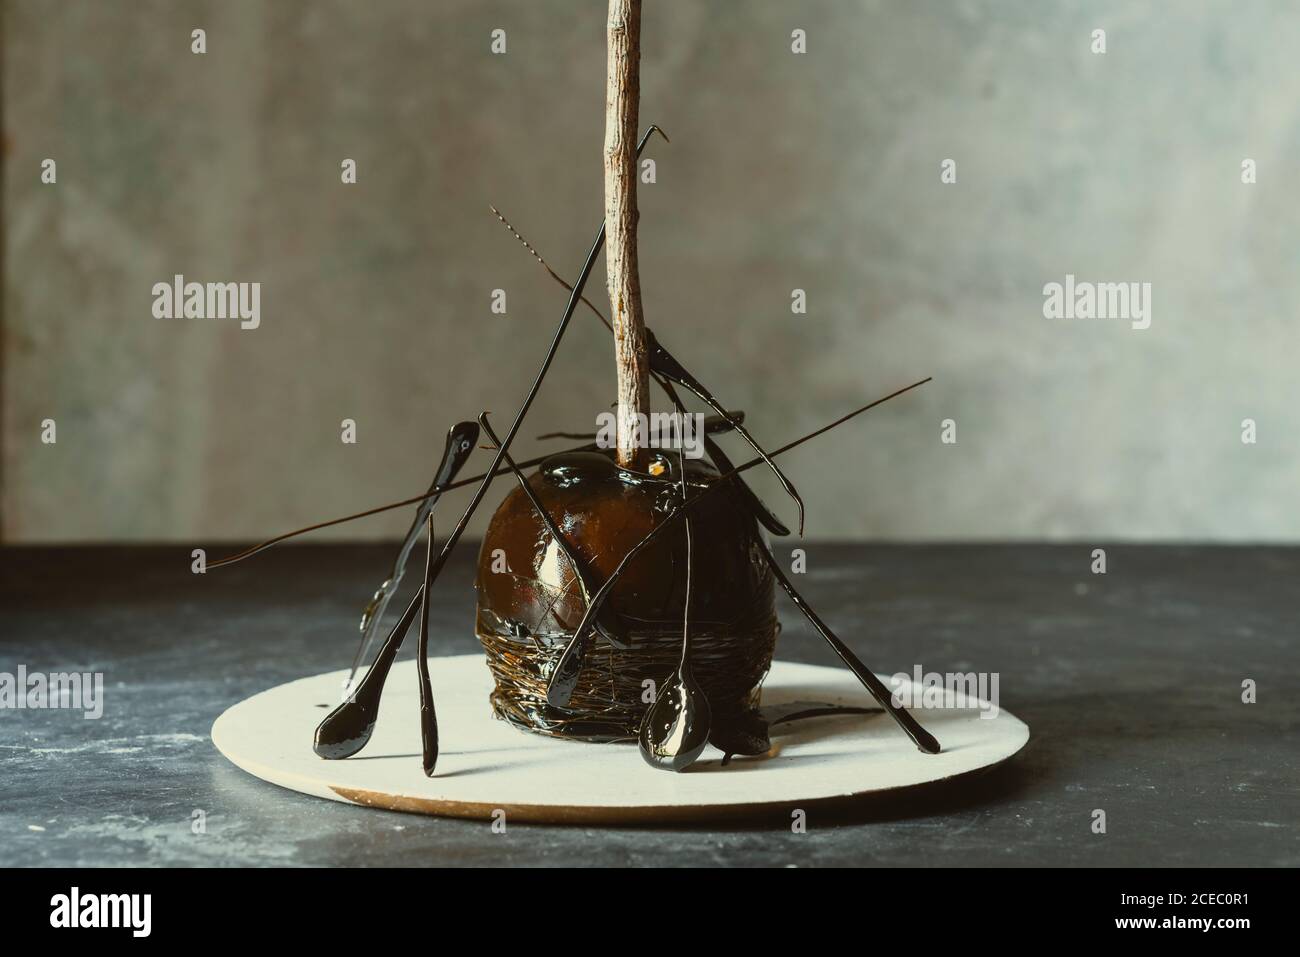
530, 602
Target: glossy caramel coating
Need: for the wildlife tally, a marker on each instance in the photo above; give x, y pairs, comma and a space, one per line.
529, 601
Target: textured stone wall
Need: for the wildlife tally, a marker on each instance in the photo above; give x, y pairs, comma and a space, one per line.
818, 171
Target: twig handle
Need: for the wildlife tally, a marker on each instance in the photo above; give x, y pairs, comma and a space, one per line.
622, 104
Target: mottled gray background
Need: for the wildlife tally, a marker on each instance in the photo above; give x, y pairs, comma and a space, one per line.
818, 171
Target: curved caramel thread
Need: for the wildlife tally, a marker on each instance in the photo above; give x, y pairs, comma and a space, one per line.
565, 672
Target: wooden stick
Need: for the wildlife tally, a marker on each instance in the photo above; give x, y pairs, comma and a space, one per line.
622, 102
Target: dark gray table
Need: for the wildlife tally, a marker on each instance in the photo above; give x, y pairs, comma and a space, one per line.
1130, 682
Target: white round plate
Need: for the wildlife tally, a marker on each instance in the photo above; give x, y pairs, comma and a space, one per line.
486, 765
